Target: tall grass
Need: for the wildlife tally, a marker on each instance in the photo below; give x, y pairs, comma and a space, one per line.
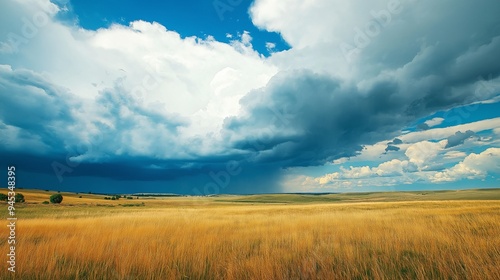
412, 240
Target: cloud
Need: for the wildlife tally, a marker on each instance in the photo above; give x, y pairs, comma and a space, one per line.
36, 114
391, 43
424, 162
422, 153
270, 46
392, 148
153, 63
419, 157
445, 132
396, 141
458, 138
390, 168
312, 118
356, 172
112, 103
335, 111
340, 161
328, 178
474, 166
454, 154
433, 122
143, 64
379, 150
332, 120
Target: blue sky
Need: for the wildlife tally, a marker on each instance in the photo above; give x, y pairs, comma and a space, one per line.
203, 97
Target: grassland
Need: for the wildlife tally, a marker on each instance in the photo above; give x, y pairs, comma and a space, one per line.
411, 235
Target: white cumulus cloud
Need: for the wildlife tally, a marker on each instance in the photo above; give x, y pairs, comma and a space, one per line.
422, 153
474, 166
434, 122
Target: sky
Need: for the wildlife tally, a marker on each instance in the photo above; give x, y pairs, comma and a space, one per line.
263, 96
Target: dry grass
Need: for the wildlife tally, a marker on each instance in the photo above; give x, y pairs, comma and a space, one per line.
383, 240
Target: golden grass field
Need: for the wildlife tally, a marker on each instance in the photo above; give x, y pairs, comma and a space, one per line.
443, 235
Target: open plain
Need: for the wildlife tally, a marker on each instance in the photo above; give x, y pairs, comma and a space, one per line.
400, 235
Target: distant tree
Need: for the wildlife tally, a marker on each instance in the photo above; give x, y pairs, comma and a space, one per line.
80, 196
19, 197
45, 202
56, 198
3, 197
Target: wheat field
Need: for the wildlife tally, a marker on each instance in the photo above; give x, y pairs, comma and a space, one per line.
182, 239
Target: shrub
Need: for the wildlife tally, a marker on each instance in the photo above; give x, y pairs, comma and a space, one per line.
3, 197
56, 198
80, 196
45, 202
19, 197
129, 197
133, 204
113, 198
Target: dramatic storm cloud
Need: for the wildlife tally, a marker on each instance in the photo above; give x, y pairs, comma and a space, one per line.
139, 103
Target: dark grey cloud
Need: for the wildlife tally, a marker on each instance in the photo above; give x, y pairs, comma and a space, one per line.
40, 110
445, 39
129, 174
391, 148
458, 138
107, 160
312, 118
396, 141
325, 119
